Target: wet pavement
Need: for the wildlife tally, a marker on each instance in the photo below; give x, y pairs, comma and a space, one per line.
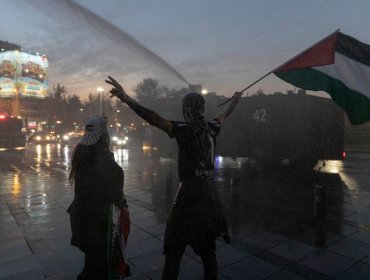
284, 225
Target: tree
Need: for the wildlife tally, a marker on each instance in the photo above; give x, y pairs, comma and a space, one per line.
60, 91
74, 102
125, 116
175, 93
92, 105
148, 90
73, 114
260, 92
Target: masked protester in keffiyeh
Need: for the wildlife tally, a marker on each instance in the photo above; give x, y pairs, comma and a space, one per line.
196, 217
98, 213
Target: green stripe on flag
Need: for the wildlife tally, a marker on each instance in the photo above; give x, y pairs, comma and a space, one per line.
356, 105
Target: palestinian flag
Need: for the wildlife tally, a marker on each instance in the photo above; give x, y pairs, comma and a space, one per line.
339, 65
118, 232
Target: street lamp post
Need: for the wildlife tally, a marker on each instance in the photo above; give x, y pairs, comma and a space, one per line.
116, 119
100, 90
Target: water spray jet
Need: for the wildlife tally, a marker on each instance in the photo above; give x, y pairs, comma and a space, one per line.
107, 29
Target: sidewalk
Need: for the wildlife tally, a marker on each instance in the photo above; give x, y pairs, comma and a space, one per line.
35, 235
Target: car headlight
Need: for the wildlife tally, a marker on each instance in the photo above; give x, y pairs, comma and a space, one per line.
121, 142
115, 138
65, 137
38, 138
47, 137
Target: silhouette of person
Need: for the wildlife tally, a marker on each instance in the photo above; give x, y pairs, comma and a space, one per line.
196, 217
98, 183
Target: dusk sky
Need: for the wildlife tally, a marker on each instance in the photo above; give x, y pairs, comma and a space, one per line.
223, 45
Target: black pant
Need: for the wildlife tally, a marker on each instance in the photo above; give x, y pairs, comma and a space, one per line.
95, 267
205, 250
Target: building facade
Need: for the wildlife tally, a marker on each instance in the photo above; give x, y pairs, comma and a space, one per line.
23, 83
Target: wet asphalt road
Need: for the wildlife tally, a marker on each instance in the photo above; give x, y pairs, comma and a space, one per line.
265, 211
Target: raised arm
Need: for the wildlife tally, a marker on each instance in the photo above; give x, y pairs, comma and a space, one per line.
148, 115
223, 115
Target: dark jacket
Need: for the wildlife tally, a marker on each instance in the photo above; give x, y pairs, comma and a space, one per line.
95, 189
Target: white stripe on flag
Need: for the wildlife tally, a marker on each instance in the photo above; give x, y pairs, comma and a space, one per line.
355, 75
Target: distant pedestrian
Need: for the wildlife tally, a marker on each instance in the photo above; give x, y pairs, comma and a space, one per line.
196, 217
98, 190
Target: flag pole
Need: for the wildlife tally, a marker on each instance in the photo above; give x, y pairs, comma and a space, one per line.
264, 76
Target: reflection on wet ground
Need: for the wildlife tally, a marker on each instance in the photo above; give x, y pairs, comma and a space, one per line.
276, 219
282, 203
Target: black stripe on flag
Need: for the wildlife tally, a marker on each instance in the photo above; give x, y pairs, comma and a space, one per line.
353, 48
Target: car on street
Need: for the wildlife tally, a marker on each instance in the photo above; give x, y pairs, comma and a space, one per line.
119, 141
42, 137
71, 138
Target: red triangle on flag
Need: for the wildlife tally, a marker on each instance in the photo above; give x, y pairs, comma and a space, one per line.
320, 54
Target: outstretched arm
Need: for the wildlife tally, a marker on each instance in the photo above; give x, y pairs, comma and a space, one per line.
148, 115
223, 115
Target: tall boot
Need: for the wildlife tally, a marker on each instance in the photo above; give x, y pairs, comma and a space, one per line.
210, 265
172, 264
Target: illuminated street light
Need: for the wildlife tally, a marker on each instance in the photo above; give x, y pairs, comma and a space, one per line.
100, 90
116, 120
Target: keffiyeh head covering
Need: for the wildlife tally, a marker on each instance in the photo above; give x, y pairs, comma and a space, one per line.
95, 127
192, 109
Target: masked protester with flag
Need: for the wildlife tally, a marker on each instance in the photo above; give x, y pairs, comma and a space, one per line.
98, 211
196, 217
